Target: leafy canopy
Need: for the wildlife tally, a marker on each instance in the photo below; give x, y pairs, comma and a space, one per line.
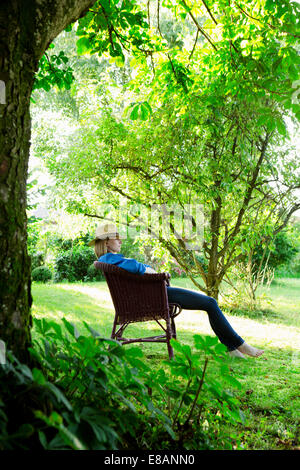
246, 49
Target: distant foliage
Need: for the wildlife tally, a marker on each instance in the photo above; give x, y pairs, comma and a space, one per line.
73, 264
94, 274
37, 259
280, 252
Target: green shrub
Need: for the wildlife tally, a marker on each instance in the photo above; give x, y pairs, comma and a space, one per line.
92, 393
150, 408
37, 259
104, 384
94, 274
25, 398
73, 264
195, 402
84, 396
60, 244
41, 274
280, 252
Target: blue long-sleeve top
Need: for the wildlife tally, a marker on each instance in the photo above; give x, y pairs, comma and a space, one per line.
129, 264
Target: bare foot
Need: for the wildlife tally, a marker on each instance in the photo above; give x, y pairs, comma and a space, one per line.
250, 350
236, 353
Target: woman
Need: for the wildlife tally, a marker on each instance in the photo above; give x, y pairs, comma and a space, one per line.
107, 245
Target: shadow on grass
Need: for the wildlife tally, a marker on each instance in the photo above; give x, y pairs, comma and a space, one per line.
157, 352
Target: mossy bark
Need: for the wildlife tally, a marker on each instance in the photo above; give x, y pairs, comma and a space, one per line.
27, 27
17, 67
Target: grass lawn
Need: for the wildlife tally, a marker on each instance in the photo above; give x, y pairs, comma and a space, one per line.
270, 395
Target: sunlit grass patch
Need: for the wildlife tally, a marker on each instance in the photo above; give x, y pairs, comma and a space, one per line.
76, 303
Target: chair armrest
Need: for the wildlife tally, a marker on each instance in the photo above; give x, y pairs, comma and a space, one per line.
158, 277
168, 275
149, 277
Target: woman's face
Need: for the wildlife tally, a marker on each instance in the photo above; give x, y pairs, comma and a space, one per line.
114, 245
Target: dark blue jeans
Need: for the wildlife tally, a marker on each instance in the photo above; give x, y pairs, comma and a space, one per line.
191, 300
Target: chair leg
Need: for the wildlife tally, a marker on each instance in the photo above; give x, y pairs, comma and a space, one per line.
168, 338
113, 333
170, 333
173, 326
175, 310
119, 333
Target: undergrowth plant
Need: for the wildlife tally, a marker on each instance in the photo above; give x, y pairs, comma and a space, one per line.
89, 392
194, 401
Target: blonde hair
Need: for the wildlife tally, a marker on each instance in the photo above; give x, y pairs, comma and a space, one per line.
100, 247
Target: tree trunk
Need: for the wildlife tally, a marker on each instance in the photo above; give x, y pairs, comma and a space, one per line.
26, 29
212, 278
17, 68
213, 288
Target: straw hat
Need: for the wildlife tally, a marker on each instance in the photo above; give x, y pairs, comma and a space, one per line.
104, 232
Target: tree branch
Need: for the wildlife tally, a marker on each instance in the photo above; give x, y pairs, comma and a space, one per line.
248, 194
264, 24
194, 46
209, 12
56, 16
207, 37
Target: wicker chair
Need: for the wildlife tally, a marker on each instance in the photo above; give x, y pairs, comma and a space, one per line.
139, 298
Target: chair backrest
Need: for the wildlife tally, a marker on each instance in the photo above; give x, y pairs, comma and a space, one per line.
136, 297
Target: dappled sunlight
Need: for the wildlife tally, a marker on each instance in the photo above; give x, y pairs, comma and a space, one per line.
92, 303
73, 303
99, 292
39, 311
252, 331
278, 328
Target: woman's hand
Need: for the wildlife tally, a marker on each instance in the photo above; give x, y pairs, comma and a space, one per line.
150, 271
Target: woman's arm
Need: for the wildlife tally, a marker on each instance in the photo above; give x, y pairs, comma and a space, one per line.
134, 266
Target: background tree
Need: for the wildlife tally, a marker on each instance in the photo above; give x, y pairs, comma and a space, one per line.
216, 156
229, 125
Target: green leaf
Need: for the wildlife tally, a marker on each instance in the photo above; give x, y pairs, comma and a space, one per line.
25, 371
281, 127
170, 431
71, 328
176, 345
83, 45
233, 381
199, 342
93, 332
134, 352
59, 395
134, 113
38, 376
57, 328
43, 439
70, 438
220, 348
144, 111
276, 64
